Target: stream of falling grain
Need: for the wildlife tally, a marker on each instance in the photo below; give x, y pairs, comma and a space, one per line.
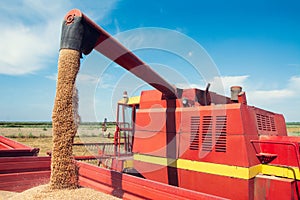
65, 121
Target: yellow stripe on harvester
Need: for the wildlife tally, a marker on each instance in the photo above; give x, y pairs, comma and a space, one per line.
131, 100
220, 169
134, 100
281, 171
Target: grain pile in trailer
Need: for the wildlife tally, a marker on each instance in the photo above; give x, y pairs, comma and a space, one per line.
43, 192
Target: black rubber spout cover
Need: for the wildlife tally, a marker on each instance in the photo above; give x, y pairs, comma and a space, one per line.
78, 34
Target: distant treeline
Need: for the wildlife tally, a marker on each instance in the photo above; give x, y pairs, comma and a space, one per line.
97, 123
293, 123
45, 124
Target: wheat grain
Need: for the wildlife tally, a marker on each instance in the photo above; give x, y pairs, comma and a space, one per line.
44, 192
65, 121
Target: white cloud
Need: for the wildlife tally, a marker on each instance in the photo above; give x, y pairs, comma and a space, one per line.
272, 94
106, 81
294, 83
284, 100
87, 79
27, 43
187, 85
223, 83
30, 32
290, 91
219, 85
52, 77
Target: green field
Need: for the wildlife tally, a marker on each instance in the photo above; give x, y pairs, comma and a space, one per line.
293, 128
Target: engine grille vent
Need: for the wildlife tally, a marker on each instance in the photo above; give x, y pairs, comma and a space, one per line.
194, 137
212, 131
207, 133
265, 123
221, 133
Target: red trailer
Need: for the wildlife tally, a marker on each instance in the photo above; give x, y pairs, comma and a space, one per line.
11, 148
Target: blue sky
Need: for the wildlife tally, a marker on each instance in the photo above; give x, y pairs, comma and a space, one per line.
254, 44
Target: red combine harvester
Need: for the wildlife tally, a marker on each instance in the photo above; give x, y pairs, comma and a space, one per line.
192, 138
202, 143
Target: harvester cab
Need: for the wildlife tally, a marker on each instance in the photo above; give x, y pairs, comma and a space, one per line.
125, 123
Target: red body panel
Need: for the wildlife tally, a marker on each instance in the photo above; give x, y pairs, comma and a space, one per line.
274, 188
215, 133
222, 186
217, 185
